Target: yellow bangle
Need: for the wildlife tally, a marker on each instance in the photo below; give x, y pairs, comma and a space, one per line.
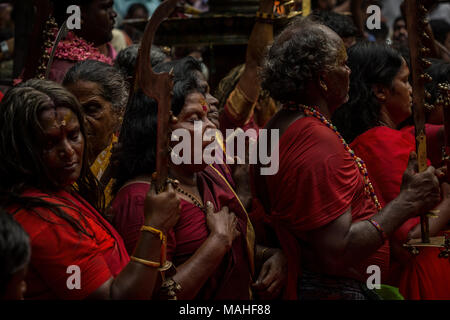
148, 263
162, 237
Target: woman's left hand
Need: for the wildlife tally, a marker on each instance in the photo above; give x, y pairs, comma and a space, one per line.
272, 277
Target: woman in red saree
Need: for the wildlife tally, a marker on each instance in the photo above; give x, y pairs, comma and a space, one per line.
380, 99
212, 245
46, 184
320, 202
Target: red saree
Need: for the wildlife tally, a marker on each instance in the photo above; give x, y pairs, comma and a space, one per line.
317, 182
385, 152
232, 279
56, 245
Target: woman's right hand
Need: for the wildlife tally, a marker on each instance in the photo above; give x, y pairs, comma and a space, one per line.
162, 210
422, 189
222, 224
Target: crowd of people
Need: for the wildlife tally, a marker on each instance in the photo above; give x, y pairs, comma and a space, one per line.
78, 156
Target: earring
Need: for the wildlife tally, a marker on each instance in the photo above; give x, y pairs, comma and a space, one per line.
323, 85
173, 119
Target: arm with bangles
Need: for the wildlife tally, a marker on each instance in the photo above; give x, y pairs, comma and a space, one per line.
342, 243
194, 273
137, 280
248, 86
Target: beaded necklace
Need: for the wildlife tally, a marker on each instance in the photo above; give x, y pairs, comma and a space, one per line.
192, 197
368, 187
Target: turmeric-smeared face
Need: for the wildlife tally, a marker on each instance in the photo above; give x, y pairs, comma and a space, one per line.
100, 118
62, 145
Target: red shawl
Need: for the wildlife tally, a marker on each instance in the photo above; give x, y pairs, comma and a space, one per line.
56, 245
316, 183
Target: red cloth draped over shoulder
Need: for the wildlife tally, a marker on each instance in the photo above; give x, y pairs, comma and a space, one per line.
386, 152
1, 96
233, 277
317, 182
56, 245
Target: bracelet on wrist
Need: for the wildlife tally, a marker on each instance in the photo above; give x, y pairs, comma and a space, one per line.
148, 263
163, 239
380, 230
158, 232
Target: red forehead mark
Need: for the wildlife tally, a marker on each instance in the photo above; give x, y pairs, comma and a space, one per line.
204, 104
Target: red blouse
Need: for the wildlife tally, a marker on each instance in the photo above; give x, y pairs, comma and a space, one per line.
56, 245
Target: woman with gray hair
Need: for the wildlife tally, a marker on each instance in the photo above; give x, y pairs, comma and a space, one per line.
102, 92
321, 202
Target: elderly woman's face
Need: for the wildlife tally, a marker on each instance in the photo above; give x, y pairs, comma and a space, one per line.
337, 80
213, 113
100, 118
62, 144
195, 110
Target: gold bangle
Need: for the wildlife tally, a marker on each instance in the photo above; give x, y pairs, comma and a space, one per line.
158, 232
148, 263
163, 239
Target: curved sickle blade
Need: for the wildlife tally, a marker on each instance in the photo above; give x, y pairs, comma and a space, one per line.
157, 86
62, 33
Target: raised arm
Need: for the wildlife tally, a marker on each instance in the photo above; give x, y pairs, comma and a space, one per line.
249, 85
